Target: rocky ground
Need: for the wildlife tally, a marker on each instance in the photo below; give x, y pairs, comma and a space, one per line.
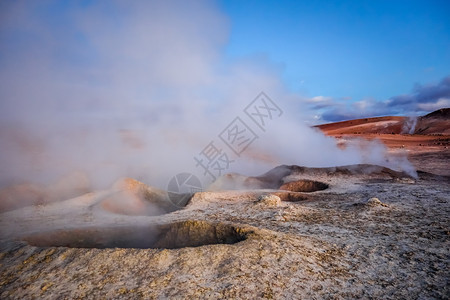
329, 238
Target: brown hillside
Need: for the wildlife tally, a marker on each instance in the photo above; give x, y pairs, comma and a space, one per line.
364, 126
426, 139
435, 123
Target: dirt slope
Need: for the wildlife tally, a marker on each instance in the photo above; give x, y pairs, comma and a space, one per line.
435, 123
425, 139
365, 126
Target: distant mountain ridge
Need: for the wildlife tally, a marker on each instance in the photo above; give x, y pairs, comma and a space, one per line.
434, 123
443, 113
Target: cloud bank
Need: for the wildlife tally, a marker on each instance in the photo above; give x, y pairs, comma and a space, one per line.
421, 100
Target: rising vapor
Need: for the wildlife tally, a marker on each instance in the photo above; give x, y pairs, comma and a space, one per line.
113, 89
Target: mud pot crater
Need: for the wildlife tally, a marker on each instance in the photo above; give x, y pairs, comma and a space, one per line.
305, 186
167, 236
291, 197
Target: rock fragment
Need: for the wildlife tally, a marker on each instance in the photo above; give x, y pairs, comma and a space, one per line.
373, 202
269, 200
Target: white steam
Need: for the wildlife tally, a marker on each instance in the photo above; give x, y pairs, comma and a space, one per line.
410, 124
137, 89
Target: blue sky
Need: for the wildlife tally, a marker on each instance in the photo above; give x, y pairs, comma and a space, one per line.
343, 59
346, 51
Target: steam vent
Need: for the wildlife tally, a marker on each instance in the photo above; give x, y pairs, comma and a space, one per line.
169, 236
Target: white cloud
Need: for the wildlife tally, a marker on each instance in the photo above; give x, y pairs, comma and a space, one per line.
320, 99
440, 103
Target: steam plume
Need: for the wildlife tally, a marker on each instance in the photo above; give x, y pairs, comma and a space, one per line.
119, 88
